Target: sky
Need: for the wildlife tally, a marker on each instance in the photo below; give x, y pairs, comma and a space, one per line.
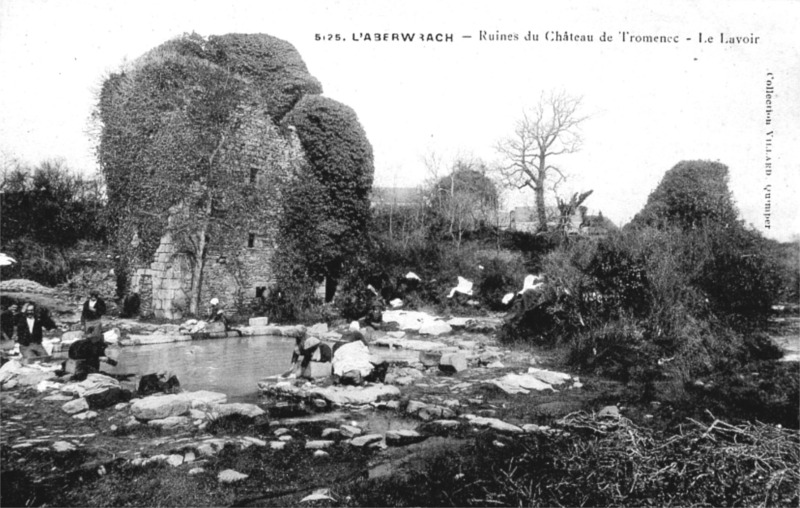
648, 105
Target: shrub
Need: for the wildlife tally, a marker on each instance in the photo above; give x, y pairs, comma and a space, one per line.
741, 275
497, 278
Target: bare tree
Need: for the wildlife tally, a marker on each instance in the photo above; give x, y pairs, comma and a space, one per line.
547, 130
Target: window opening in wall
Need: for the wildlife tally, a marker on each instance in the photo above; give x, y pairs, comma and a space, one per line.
251, 240
260, 291
253, 174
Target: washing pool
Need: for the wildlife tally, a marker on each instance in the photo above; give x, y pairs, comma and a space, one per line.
232, 366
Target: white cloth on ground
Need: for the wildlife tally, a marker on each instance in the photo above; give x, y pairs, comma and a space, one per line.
464, 286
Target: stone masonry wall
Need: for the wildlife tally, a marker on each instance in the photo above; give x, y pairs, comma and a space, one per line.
232, 272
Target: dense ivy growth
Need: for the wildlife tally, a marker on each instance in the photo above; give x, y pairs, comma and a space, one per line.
691, 194
328, 210
169, 149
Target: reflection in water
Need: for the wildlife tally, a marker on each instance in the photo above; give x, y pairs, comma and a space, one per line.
232, 366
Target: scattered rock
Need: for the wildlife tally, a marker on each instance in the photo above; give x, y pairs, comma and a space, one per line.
549, 376
435, 328
609, 412
106, 396
520, 383
430, 358
318, 495
255, 441
319, 444
348, 431
158, 407
495, 424
366, 440
175, 460
239, 408
258, 321
171, 422
63, 446
161, 382
230, 476
403, 437
453, 362
88, 415
75, 406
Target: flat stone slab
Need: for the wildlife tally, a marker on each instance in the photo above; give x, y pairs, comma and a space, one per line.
412, 344
435, 328
155, 338
495, 424
230, 476
319, 444
337, 395
240, 408
275, 331
157, 407
366, 440
549, 376
403, 437
520, 383
171, 422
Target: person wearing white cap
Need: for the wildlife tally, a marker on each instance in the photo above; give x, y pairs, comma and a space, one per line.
216, 314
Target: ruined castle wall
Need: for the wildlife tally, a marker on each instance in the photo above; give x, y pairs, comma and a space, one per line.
234, 271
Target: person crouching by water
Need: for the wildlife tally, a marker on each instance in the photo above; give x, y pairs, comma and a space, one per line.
91, 317
30, 329
309, 351
216, 314
85, 355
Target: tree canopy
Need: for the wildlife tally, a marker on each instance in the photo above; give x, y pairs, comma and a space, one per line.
546, 131
690, 194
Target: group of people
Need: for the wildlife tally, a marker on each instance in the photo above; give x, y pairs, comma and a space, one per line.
26, 326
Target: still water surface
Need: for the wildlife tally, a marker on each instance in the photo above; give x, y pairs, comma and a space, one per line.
232, 366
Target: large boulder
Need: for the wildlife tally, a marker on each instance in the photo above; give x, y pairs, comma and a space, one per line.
158, 407
75, 406
161, 382
107, 396
430, 358
453, 362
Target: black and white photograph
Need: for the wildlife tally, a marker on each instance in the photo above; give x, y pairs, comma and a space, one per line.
355, 253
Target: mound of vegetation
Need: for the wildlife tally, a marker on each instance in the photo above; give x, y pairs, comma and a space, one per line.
676, 295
